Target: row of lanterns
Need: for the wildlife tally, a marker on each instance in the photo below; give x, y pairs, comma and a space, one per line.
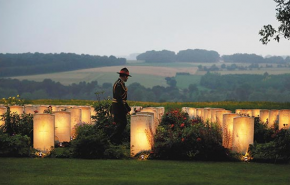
57, 125
237, 128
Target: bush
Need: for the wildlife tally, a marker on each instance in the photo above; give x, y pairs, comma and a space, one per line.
14, 146
277, 150
178, 137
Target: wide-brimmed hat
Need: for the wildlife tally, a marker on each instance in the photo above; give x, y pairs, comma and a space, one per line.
124, 71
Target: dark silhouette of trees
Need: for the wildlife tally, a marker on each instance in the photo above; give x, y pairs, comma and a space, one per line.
283, 30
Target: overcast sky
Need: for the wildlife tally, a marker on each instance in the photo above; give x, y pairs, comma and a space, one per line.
123, 27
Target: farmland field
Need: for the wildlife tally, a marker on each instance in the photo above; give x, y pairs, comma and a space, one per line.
147, 74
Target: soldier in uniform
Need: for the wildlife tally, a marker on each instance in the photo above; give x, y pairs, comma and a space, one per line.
120, 108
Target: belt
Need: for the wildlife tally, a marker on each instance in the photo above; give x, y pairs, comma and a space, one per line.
115, 101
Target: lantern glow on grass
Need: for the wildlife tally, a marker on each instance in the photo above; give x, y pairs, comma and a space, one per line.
139, 140
243, 134
43, 132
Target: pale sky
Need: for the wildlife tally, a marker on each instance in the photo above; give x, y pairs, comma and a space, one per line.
123, 27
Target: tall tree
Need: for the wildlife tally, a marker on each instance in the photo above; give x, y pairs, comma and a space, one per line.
283, 16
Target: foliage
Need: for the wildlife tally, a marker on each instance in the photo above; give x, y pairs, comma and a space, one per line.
197, 55
16, 145
283, 16
13, 101
153, 56
178, 137
277, 150
38, 63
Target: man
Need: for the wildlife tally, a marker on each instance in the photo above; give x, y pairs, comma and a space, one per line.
120, 108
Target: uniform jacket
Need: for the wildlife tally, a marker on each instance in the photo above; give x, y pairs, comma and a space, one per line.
119, 105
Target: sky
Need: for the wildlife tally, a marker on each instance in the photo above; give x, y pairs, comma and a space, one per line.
124, 27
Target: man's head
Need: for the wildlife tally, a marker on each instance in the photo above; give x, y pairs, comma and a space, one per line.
124, 74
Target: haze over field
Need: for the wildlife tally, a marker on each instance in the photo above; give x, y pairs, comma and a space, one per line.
123, 27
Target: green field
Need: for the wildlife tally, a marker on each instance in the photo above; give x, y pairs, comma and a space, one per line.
147, 80
77, 171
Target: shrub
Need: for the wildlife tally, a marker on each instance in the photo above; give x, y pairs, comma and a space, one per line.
178, 137
14, 146
277, 150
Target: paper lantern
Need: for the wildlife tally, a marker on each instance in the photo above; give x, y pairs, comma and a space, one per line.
228, 124
238, 111
256, 112
139, 138
200, 112
207, 114
191, 112
152, 125
42, 108
220, 118
273, 117
284, 119
86, 114
161, 111
17, 109
30, 109
62, 125
43, 132
243, 134
76, 117
264, 116
213, 114
157, 117
3, 110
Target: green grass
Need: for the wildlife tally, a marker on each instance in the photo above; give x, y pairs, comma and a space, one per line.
76, 171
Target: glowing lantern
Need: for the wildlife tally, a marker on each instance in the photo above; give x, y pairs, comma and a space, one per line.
239, 111
284, 119
264, 116
243, 134
228, 124
139, 139
157, 119
42, 108
161, 111
43, 132
184, 109
214, 115
135, 108
29, 109
86, 114
152, 126
191, 112
207, 114
256, 112
17, 109
76, 117
200, 112
219, 116
62, 125
273, 117
3, 110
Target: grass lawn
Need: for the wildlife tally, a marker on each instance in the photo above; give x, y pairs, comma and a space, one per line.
77, 171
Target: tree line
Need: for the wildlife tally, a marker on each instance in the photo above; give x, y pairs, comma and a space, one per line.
205, 56
39, 63
212, 87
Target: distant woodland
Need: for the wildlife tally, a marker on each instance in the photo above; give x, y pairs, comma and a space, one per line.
39, 63
212, 87
205, 56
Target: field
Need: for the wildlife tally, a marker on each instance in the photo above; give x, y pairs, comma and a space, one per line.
77, 171
147, 74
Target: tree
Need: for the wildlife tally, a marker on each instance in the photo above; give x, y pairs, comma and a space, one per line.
283, 16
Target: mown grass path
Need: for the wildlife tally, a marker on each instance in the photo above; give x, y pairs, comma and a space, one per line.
77, 171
